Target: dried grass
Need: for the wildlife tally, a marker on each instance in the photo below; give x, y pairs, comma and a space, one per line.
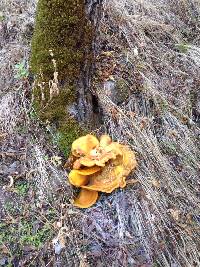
155, 221
157, 122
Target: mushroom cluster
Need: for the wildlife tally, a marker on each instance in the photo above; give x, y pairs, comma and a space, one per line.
99, 166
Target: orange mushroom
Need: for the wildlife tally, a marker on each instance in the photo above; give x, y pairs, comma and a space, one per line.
105, 140
86, 198
81, 177
113, 174
99, 156
83, 145
99, 166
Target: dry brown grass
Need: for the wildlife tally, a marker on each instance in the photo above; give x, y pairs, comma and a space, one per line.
156, 222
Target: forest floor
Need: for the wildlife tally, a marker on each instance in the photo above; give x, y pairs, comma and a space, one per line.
150, 51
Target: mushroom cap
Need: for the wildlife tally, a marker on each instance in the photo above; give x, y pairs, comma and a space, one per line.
83, 145
113, 174
108, 180
77, 179
81, 177
129, 160
89, 171
99, 156
105, 140
98, 160
86, 198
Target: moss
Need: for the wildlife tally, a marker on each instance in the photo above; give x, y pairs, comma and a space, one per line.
123, 91
55, 110
67, 133
183, 48
62, 27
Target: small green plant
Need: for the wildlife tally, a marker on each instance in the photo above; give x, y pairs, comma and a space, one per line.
22, 189
33, 114
12, 208
29, 237
22, 72
183, 48
56, 161
2, 17
24, 233
46, 157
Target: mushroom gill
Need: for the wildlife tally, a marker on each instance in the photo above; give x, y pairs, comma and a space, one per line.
81, 177
86, 198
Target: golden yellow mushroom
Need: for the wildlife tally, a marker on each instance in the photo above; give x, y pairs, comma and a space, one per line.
129, 160
81, 177
99, 156
83, 145
89, 171
108, 180
77, 179
113, 174
99, 166
99, 160
105, 140
86, 198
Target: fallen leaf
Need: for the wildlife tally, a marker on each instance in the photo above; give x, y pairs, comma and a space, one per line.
107, 53
11, 181
3, 135
10, 184
175, 214
156, 183
4, 249
59, 241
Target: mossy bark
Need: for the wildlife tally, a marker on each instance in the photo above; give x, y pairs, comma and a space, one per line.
61, 27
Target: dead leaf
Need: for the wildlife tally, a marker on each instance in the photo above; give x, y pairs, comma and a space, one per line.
11, 181
10, 184
107, 53
59, 241
156, 183
175, 214
4, 249
3, 135
83, 262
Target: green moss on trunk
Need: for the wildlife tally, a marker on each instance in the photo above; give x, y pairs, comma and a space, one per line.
62, 27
